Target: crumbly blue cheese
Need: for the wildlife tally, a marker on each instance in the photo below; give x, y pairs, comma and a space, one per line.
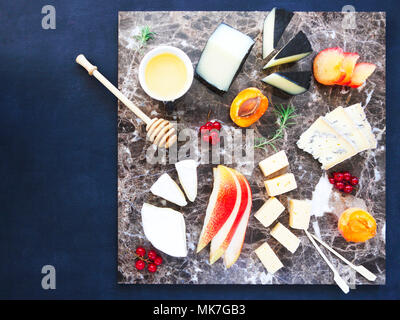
325, 144
357, 114
347, 128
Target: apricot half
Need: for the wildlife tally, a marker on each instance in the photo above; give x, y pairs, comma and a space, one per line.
357, 225
248, 106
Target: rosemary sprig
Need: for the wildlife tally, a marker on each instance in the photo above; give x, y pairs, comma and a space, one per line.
284, 114
145, 35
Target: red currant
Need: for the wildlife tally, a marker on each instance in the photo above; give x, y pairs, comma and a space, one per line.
332, 180
158, 261
216, 125
339, 185
209, 125
204, 129
140, 251
152, 254
140, 264
152, 267
214, 137
348, 188
338, 176
354, 181
346, 176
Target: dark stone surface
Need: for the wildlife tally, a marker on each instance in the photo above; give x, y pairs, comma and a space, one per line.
190, 31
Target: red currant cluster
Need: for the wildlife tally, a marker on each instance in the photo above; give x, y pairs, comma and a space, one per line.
343, 181
210, 132
153, 260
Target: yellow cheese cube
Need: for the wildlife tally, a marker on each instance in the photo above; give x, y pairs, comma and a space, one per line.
281, 184
285, 237
268, 258
269, 211
299, 213
274, 163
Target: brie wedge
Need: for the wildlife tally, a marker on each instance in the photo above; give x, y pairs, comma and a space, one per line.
167, 189
165, 229
187, 173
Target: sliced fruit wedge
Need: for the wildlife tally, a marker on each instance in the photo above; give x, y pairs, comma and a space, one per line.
220, 206
165, 229
168, 189
328, 66
234, 248
187, 173
349, 62
360, 74
221, 240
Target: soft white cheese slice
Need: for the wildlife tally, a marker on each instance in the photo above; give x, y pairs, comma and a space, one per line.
357, 114
268, 258
268, 33
285, 237
168, 189
165, 229
347, 128
221, 58
187, 173
299, 214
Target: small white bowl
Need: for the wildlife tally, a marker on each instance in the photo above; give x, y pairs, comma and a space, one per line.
166, 49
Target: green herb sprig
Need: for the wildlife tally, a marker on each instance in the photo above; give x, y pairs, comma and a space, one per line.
145, 35
284, 114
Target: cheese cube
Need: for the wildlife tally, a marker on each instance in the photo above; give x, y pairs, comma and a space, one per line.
285, 237
274, 163
299, 213
268, 258
269, 211
281, 184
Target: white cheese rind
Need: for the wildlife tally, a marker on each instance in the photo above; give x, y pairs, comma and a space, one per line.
168, 189
285, 237
280, 185
274, 163
268, 258
269, 212
187, 173
299, 214
222, 56
165, 229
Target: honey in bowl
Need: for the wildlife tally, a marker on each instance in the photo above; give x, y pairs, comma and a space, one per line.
166, 76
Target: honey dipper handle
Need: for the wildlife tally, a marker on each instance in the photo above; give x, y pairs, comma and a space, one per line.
92, 70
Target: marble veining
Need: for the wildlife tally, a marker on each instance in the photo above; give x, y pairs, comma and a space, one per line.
190, 31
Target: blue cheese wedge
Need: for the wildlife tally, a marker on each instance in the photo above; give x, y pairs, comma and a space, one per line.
285, 237
325, 144
357, 114
342, 123
269, 212
299, 214
280, 185
268, 258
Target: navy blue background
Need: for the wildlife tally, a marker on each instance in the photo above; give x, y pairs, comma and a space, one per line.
58, 153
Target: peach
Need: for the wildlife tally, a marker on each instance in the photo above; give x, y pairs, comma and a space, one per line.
349, 62
360, 74
328, 66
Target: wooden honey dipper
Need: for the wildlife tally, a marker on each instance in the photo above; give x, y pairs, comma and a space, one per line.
159, 131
